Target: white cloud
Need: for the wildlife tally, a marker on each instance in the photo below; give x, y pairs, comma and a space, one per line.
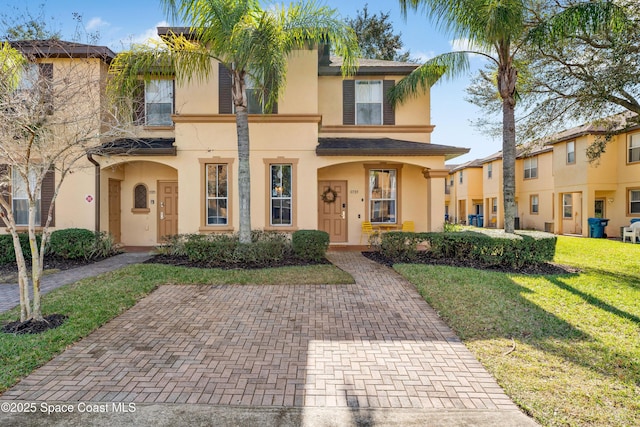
467, 45
145, 37
96, 23
423, 56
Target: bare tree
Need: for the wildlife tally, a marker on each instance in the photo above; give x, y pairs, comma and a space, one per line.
51, 113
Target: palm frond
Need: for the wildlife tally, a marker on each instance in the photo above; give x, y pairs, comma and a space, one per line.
448, 65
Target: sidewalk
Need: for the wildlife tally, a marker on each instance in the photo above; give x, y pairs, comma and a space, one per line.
372, 353
10, 295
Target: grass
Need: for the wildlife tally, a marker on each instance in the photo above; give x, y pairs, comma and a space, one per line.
92, 302
565, 348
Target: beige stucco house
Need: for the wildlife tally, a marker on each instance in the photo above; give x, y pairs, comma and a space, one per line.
558, 189
332, 154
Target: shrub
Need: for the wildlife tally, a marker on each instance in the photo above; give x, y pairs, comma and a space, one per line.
310, 245
487, 248
8, 253
80, 243
265, 247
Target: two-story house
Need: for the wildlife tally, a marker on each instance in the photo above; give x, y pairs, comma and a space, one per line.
332, 154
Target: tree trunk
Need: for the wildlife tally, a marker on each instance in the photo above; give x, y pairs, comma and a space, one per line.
23, 278
244, 176
509, 164
36, 266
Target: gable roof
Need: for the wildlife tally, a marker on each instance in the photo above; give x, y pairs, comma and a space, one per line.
470, 164
384, 147
612, 124
62, 49
366, 67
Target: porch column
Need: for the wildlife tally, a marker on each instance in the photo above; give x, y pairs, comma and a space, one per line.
435, 194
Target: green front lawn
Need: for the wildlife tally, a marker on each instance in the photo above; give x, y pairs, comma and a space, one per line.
92, 302
565, 348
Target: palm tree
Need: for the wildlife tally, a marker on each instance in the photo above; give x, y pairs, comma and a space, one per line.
250, 42
497, 30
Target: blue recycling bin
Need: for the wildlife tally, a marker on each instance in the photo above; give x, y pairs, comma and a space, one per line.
596, 227
473, 220
635, 220
480, 219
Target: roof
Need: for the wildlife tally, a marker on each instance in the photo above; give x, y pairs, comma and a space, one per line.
62, 49
612, 124
470, 164
367, 67
138, 147
384, 147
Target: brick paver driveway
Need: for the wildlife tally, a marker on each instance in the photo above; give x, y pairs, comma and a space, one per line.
375, 344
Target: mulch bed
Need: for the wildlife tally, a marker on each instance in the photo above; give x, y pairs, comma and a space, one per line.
35, 327
539, 269
182, 261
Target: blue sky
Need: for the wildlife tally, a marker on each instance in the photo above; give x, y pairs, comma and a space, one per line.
120, 22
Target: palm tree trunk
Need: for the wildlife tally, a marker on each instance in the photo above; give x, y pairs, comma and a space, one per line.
244, 176
509, 163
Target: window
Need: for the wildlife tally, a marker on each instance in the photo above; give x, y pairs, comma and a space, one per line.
530, 167
158, 99
534, 204
489, 170
281, 194
634, 148
217, 196
460, 177
140, 199
20, 198
571, 152
451, 181
634, 201
369, 102
567, 206
36, 83
383, 195
494, 205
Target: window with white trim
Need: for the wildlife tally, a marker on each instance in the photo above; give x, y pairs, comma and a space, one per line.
20, 197
158, 100
567, 206
634, 148
489, 170
534, 204
281, 196
383, 195
217, 197
461, 177
369, 102
530, 167
571, 152
634, 201
494, 205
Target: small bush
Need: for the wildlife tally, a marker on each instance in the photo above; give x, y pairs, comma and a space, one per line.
7, 251
80, 243
310, 245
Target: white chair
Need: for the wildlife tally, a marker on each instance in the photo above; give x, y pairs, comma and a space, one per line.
632, 232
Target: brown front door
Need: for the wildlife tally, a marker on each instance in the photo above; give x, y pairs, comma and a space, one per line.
332, 216
167, 209
114, 209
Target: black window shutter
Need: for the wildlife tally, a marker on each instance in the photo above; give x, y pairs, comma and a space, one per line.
348, 102
138, 104
46, 197
5, 191
388, 111
46, 73
225, 100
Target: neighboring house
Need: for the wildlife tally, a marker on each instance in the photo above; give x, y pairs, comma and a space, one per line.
332, 154
74, 206
467, 191
558, 189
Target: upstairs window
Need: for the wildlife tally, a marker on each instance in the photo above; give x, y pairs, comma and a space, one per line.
461, 177
158, 102
368, 102
571, 152
530, 167
489, 170
634, 148
225, 96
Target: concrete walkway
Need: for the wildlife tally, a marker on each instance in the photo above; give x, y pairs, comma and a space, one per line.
10, 295
373, 353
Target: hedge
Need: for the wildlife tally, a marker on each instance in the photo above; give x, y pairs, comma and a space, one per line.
310, 245
489, 249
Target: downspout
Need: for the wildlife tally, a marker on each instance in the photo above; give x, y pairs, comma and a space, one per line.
97, 192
